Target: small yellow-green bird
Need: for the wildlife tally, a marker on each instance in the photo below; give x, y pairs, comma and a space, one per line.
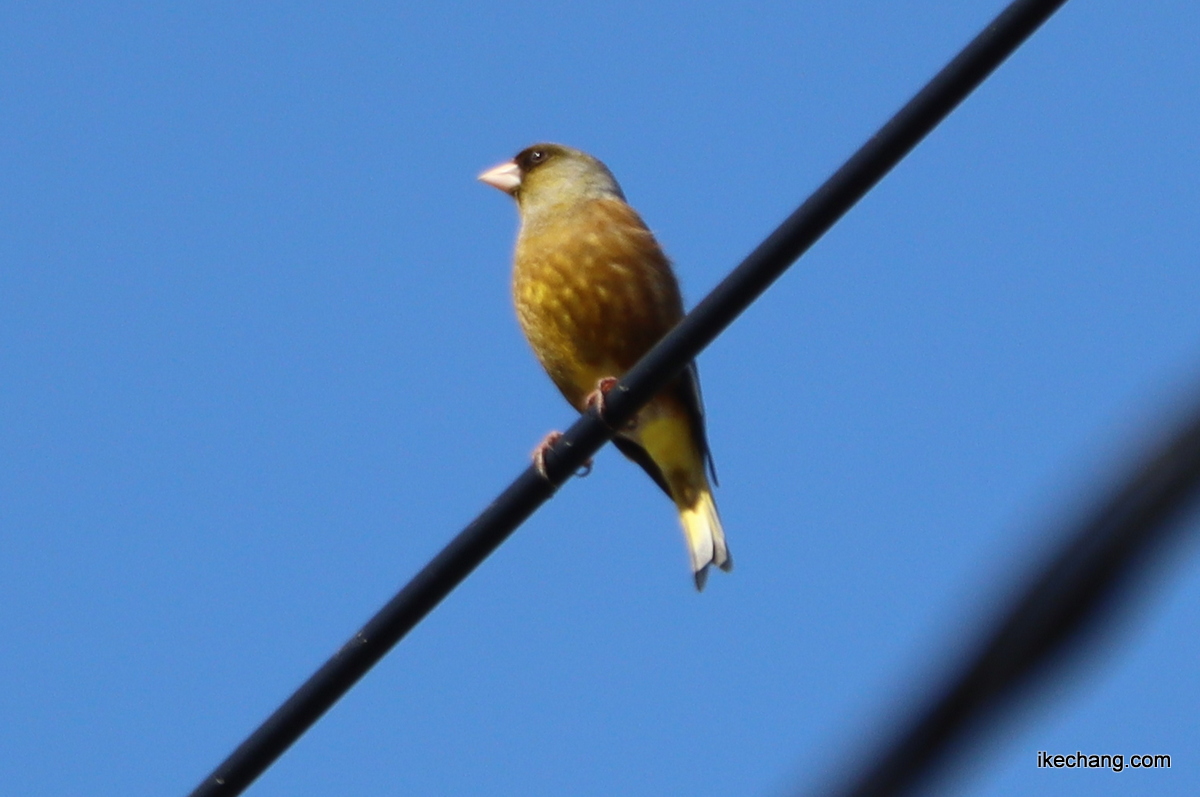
594, 292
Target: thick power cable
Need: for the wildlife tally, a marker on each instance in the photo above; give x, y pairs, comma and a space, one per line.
1064, 603
745, 284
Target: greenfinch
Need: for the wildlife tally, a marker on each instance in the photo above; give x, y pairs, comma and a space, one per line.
593, 293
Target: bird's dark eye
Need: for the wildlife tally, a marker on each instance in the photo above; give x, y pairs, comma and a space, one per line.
532, 157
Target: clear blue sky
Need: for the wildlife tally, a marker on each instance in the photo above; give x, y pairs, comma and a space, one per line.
258, 363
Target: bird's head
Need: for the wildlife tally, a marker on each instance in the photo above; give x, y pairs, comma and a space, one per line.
551, 178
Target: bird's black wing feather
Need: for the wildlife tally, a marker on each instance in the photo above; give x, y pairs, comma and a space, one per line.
688, 391
641, 457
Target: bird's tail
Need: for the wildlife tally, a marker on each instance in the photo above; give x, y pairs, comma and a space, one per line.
704, 535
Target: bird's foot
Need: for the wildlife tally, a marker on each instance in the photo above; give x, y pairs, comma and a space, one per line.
539, 456
598, 398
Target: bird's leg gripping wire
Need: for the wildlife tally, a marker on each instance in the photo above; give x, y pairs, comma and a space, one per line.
539, 456
595, 402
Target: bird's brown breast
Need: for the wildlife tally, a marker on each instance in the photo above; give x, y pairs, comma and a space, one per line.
593, 293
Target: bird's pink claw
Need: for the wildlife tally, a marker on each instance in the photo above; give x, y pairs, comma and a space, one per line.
539, 456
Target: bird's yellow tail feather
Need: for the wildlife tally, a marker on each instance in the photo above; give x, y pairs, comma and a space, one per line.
705, 536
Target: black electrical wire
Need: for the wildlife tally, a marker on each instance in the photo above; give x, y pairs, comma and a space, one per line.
716, 312
1065, 601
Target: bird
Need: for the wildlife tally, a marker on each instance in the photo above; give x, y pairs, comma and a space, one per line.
593, 293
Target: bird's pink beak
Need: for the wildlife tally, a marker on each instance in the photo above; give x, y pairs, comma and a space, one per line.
506, 177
